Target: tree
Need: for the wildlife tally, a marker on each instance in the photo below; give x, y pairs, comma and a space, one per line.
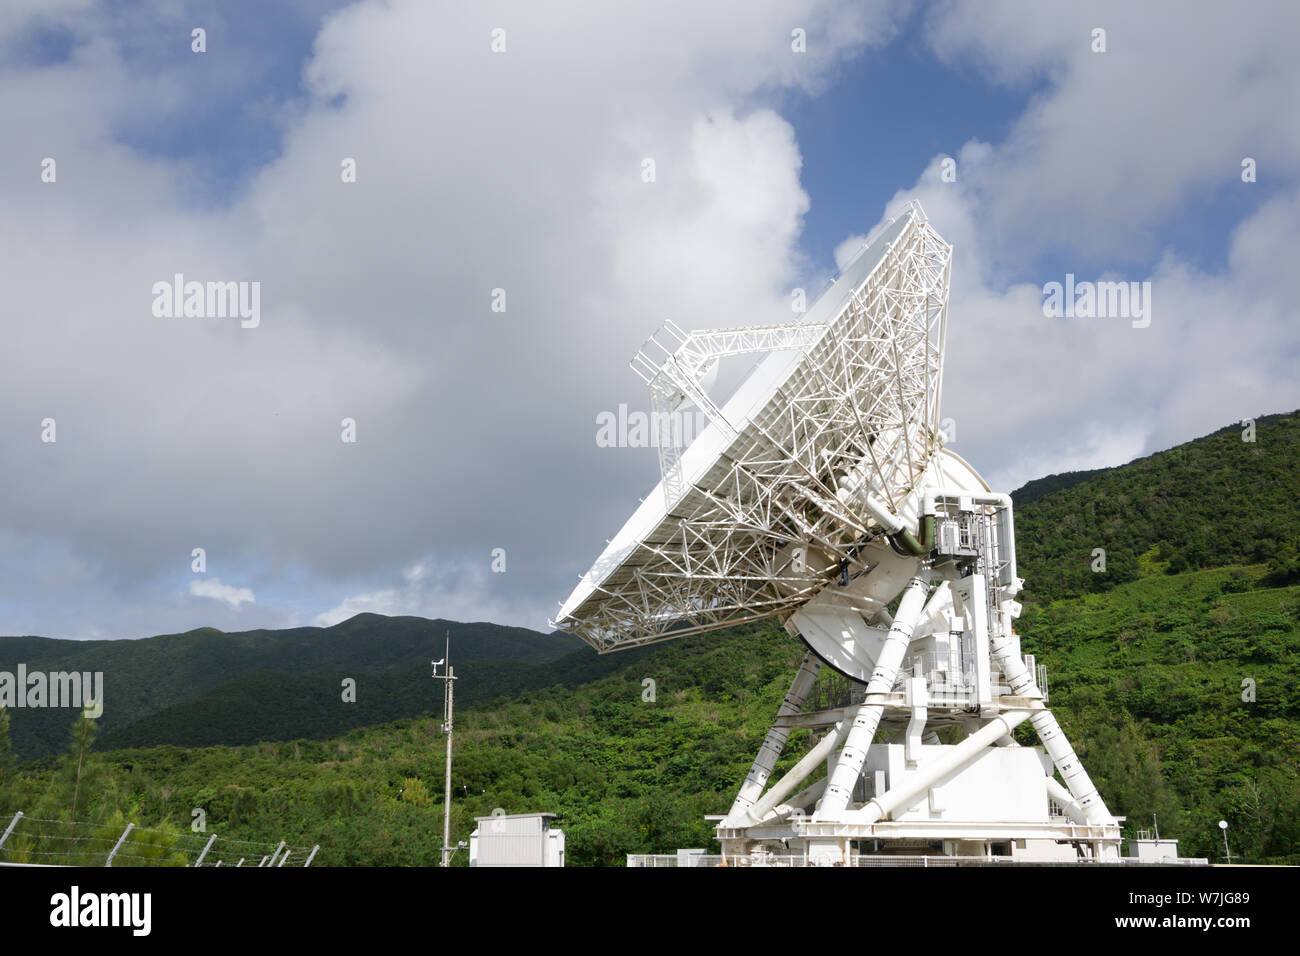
7, 763
1125, 766
82, 787
83, 735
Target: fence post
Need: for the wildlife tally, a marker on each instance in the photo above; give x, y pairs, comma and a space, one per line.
275, 854
283, 858
309, 859
199, 861
118, 846
10, 829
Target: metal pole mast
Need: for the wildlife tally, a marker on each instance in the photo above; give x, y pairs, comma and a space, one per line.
448, 711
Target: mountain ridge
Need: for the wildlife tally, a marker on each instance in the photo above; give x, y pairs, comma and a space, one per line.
145, 675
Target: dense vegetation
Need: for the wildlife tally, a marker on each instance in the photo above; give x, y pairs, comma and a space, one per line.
207, 686
623, 772
275, 706
1166, 732
1031, 491
1215, 501
1174, 678
1180, 693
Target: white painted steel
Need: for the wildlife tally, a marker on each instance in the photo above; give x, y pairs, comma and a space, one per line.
864, 392
777, 735
849, 766
1006, 652
785, 786
819, 493
878, 808
1066, 800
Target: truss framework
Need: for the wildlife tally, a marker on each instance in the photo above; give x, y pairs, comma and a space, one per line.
799, 476
675, 381
863, 399
824, 818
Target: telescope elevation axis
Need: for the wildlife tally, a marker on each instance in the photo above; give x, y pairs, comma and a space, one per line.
819, 494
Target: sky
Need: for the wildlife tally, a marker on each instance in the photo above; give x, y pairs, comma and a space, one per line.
470, 298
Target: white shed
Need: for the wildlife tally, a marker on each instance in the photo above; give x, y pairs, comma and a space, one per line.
520, 839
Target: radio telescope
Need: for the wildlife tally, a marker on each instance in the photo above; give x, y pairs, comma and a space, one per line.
821, 494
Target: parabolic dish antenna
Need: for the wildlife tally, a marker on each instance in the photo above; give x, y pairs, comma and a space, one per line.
821, 494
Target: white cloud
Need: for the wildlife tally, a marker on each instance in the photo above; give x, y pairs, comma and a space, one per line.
1123, 142
1031, 395
847, 250
475, 172
522, 171
434, 588
227, 594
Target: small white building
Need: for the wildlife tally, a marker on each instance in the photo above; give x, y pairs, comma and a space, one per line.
1151, 850
520, 839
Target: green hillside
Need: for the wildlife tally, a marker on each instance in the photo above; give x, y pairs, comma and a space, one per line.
153, 675
1031, 491
1173, 673
271, 706
1147, 680
623, 771
1211, 502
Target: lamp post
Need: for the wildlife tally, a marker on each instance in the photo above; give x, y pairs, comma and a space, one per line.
1223, 825
447, 677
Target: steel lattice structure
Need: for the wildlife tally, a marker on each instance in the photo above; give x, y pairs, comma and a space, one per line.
842, 405
821, 493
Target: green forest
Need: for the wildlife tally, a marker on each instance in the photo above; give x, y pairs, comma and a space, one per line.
208, 686
1173, 670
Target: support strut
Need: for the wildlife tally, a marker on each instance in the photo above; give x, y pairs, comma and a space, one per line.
849, 767
774, 742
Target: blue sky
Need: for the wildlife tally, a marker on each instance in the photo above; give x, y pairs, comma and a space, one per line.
879, 117
882, 119
521, 172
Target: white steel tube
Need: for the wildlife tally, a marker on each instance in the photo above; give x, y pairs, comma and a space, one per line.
774, 742
1066, 800
876, 507
796, 775
1005, 652
450, 684
901, 795
849, 767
